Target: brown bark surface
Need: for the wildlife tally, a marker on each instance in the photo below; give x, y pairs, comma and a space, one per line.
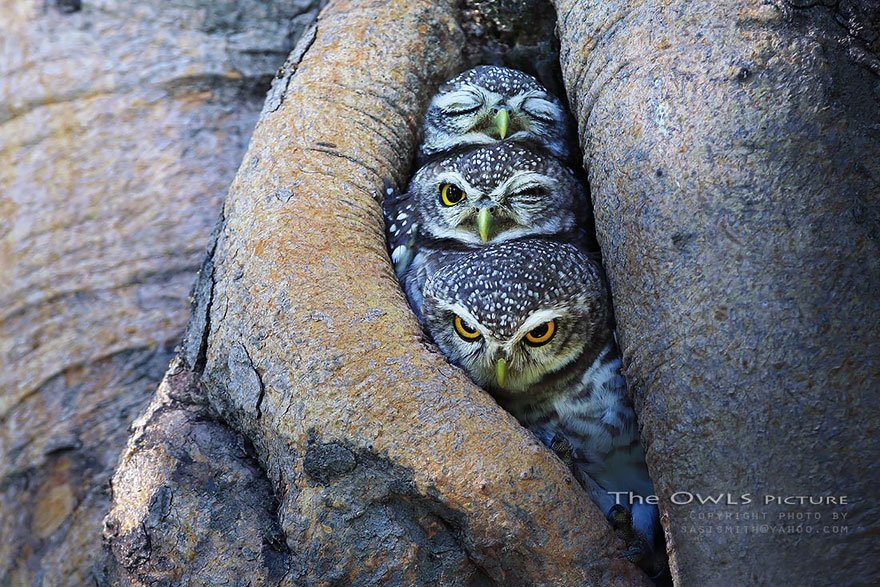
390, 467
192, 505
733, 150
121, 125
307, 433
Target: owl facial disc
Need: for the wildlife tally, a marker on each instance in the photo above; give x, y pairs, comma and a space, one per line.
514, 314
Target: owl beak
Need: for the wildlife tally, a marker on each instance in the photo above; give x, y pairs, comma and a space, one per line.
484, 223
502, 120
501, 372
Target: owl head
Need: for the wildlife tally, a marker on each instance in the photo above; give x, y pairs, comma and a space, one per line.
487, 104
519, 314
496, 193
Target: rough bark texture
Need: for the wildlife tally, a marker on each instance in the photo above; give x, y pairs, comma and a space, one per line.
121, 125
389, 466
192, 506
733, 150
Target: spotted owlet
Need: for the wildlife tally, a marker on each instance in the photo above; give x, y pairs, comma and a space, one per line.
530, 321
488, 104
465, 200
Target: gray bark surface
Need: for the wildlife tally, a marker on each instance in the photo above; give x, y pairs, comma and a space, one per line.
192, 505
733, 151
121, 126
307, 433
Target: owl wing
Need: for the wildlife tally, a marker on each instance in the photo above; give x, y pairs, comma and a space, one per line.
621, 465
401, 227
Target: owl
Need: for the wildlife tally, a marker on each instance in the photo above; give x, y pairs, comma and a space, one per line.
488, 104
530, 321
485, 194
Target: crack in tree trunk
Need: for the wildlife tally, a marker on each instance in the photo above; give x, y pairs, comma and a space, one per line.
351, 373
733, 156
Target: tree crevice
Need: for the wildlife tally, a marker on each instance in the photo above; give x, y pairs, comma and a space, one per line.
368, 384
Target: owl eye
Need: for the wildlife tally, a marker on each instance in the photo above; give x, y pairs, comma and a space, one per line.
542, 334
461, 109
542, 118
464, 330
450, 194
540, 109
530, 193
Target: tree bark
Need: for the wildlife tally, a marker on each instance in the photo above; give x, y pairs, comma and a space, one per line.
121, 125
733, 151
204, 510
307, 433
389, 465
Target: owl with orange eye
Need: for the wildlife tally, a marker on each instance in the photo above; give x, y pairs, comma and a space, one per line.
530, 321
467, 200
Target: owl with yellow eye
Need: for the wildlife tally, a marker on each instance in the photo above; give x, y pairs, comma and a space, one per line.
530, 321
467, 200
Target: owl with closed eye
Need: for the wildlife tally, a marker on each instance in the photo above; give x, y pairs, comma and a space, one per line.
530, 321
488, 104
468, 199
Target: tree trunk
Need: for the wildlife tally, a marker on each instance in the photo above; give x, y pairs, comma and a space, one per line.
306, 433
389, 465
121, 125
733, 151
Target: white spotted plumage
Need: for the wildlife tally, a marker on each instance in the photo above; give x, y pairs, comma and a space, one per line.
525, 191
461, 113
498, 276
569, 387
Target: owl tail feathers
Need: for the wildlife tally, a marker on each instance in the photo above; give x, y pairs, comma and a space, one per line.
639, 528
638, 525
